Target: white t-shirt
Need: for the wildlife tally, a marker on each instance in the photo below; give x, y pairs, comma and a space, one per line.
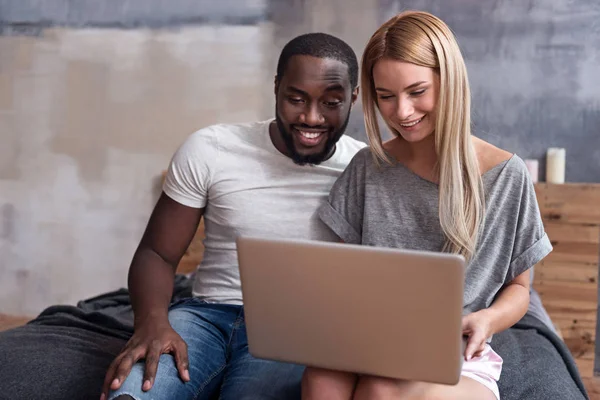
248, 188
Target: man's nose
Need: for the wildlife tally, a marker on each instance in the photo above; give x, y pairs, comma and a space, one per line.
312, 116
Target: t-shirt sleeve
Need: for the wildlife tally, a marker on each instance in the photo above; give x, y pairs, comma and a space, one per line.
192, 168
531, 241
343, 211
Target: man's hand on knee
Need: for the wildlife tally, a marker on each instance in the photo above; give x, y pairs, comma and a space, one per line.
148, 343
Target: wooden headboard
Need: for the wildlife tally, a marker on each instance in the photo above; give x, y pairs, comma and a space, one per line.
567, 280
193, 255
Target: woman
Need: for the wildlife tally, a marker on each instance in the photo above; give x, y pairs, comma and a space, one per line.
435, 187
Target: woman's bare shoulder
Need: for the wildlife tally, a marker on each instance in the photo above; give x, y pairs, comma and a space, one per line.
489, 155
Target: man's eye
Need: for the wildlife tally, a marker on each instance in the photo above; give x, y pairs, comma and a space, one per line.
333, 103
295, 100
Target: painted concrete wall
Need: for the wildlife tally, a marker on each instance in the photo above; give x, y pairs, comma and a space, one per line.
95, 99
90, 116
89, 119
534, 68
130, 13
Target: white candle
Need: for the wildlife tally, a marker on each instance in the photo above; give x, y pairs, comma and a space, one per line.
555, 165
532, 167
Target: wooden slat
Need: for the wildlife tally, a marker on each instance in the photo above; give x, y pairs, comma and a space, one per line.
577, 329
581, 349
578, 335
586, 336
592, 385
572, 202
569, 300
585, 367
575, 324
194, 253
577, 340
576, 292
574, 252
561, 311
12, 321
567, 308
564, 271
573, 233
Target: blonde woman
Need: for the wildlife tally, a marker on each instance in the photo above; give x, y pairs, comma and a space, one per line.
435, 187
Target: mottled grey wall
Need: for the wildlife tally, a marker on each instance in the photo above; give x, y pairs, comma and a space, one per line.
96, 95
128, 13
534, 65
91, 112
535, 74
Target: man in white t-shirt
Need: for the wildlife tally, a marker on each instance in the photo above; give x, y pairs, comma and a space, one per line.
263, 178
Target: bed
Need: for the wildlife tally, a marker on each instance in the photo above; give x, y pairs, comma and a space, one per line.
545, 355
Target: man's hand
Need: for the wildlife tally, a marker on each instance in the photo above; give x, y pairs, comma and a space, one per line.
478, 327
148, 342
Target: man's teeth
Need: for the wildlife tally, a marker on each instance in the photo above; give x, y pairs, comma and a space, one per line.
412, 123
311, 135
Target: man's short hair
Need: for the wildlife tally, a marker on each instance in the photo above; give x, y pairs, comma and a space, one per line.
321, 45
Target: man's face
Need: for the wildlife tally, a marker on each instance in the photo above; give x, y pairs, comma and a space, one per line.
313, 102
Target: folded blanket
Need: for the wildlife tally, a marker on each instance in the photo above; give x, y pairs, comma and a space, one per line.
109, 313
65, 352
537, 364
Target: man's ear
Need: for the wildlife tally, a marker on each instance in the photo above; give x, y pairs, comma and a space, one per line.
355, 95
276, 85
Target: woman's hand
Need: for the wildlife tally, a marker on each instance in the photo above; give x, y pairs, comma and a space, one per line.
477, 327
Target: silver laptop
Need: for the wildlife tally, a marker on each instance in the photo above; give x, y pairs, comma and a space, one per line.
377, 311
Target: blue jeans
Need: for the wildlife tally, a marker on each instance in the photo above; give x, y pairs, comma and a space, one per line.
220, 365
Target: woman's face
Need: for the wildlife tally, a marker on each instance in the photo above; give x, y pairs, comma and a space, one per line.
407, 97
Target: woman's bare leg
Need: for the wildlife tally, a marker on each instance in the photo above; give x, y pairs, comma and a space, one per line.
325, 384
373, 388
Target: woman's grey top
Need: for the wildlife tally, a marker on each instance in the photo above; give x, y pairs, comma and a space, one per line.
391, 206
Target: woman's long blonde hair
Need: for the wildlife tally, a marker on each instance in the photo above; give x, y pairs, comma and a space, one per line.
423, 39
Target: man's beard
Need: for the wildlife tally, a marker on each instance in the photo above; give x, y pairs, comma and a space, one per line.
314, 159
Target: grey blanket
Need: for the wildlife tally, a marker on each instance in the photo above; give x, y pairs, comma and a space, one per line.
108, 314
65, 352
537, 364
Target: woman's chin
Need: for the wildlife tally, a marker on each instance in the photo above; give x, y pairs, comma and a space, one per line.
414, 137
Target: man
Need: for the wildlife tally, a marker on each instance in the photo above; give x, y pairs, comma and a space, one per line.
263, 178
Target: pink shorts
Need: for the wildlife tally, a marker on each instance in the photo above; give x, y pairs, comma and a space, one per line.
485, 369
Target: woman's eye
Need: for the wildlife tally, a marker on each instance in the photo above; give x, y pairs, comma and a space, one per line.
386, 97
418, 92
